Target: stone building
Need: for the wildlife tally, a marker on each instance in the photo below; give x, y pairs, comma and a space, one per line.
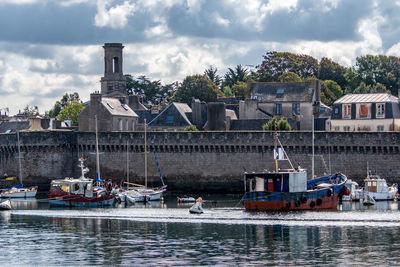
113, 114
366, 112
114, 82
297, 102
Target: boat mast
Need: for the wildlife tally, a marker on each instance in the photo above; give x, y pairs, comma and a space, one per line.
276, 149
127, 162
145, 153
19, 159
97, 152
312, 161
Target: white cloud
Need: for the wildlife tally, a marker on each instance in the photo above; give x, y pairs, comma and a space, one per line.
276, 5
114, 17
220, 20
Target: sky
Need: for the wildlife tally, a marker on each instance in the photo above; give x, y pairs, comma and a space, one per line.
52, 47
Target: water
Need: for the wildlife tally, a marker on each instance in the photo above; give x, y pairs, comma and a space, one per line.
166, 234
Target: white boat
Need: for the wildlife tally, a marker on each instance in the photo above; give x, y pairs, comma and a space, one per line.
355, 192
367, 199
197, 207
18, 192
378, 189
5, 205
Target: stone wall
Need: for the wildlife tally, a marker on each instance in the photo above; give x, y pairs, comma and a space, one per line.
197, 161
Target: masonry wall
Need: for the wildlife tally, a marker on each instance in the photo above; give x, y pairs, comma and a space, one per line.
197, 161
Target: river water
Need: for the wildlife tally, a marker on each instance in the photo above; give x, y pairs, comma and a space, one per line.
166, 234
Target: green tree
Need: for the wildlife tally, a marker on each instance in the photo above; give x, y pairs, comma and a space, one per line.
31, 111
240, 90
211, 73
368, 89
281, 125
71, 112
191, 128
274, 64
330, 92
152, 92
59, 105
239, 74
330, 70
289, 77
196, 86
227, 91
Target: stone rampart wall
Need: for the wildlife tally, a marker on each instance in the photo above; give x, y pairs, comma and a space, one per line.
197, 161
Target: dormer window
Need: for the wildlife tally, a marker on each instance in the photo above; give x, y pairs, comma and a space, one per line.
280, 92
346, 111
380, 110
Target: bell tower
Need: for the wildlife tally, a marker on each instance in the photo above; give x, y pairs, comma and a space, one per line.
114, 82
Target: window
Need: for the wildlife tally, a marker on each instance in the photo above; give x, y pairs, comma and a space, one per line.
336, 110
280, 92
170, 118
380, 110
363, 111
346, 128
108, 104
337, 128
278, 109
296, 108
120, 124
380, 128
127, 125
346, 111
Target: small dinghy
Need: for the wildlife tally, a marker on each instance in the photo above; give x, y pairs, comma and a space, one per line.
197, 208
5, 205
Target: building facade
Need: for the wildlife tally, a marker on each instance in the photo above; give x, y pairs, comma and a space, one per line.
366, 112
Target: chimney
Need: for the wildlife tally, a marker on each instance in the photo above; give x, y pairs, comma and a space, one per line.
133, 102
95, 98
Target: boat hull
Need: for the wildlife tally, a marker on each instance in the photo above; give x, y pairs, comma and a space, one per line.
23, 194
73, 200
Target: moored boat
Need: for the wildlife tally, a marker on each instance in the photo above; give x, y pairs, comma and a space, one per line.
288, 189
5, 205
378, 188
18, 192
355, 193
79, 192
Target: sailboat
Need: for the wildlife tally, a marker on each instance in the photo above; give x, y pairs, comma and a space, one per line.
141, 193
18, 191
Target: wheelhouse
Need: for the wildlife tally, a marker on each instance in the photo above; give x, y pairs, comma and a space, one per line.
73, 186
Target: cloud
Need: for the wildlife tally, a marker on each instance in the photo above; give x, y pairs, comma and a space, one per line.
114, 17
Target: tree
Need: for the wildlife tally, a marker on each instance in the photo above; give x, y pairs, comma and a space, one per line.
368, 89
330, 70
277, 63
152, 92
330, 92
59, 105
71, 112
233, 76
240, 90
289, 77
31, 111
211, 73
281, 125
191, 128
227, 91
196, 86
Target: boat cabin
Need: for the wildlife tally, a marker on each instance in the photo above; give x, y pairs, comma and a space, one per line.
74, 186
282, 181
375, 184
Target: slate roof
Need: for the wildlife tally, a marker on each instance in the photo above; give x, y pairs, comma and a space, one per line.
366, 98
281, 92
115, 107
13, 126
183, 108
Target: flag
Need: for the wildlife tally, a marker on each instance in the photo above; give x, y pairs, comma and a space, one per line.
279, 154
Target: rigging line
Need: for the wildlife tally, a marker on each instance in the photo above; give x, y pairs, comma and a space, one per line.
155, 158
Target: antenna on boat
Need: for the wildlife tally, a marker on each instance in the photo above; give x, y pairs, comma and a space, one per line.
98, 178
276, 148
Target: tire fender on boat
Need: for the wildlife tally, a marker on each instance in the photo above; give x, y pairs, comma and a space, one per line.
330, 192
312, 204
303, 199
319, 201
297, 203
288, 204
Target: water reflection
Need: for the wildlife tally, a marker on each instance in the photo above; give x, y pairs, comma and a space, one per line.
379, 205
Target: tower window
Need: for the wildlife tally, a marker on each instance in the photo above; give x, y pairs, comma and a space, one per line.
115, 65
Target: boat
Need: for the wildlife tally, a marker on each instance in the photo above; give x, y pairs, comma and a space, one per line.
368, 200
79, 192
289, 189
18, 191
197, 207
141, 193
5, 205
185, 199
354, 191
378, 188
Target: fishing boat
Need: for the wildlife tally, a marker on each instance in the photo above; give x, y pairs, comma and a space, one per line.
378, 188
79, 192
5, 205
289, 189
18, 191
